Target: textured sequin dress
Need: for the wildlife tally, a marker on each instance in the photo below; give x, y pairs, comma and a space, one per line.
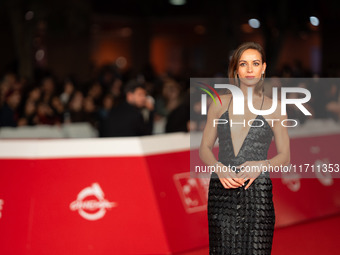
242, 221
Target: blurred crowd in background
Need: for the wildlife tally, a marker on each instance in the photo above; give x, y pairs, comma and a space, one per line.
131, 61
120, 104
49, 101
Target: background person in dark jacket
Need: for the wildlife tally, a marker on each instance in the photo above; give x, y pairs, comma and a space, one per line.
127, 119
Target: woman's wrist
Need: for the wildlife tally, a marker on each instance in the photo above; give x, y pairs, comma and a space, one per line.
265, 163
216, 166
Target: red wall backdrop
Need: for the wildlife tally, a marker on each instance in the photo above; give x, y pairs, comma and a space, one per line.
134, 201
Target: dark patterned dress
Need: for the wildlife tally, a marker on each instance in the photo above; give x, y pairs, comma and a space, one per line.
242, 221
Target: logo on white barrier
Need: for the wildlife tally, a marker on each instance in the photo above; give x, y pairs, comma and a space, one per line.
91, 204
192, 191
292, 181
1, 206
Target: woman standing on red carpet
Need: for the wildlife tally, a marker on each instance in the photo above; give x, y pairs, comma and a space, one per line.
241, 213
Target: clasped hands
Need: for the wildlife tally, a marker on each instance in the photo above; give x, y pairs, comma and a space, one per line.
248, 170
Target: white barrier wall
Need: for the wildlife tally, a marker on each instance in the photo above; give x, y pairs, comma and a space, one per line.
135, 195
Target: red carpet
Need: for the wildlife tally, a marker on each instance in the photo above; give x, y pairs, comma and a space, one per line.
320, 236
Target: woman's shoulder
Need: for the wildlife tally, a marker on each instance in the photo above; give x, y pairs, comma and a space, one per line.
267, 101
217, 109
225, 98
267, 104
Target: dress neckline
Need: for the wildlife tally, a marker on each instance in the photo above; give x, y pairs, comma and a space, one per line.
244, 140
248, 132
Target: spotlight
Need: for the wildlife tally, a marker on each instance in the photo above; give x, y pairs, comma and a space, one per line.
177, 2
39, 55
29, 15
254, 23
314, 21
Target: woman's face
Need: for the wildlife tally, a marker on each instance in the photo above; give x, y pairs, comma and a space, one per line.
250, 67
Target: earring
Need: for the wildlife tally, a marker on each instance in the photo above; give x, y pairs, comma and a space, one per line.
262, 76
237, 80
